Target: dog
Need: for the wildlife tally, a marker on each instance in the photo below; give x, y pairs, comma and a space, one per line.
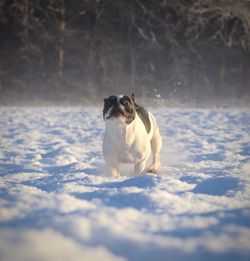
131, 135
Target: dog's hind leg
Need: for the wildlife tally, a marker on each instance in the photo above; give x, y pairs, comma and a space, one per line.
156, 143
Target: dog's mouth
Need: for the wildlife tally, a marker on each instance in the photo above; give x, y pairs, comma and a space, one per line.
123, 115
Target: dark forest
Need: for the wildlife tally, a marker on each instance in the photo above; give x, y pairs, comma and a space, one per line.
83, 50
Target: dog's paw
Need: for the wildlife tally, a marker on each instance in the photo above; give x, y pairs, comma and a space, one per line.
152, 170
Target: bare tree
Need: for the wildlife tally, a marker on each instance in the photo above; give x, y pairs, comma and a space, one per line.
62, 24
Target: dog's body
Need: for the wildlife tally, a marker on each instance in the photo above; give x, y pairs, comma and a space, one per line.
131, 134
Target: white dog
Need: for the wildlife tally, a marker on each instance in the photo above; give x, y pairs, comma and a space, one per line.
131, 134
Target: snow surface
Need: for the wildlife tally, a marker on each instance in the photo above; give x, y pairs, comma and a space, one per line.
57, 201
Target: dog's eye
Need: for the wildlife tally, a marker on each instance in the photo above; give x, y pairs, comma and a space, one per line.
125, 103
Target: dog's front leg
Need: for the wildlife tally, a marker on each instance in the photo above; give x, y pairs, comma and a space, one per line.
140, 167
156, 144
114, 170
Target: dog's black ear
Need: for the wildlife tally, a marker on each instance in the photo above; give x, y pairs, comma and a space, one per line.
133, 97
105, 99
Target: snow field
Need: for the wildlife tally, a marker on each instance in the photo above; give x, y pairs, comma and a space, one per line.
57, 201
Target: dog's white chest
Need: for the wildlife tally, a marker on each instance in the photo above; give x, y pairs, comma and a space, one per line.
117, 140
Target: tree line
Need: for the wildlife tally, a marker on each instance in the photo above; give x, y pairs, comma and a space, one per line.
190, 49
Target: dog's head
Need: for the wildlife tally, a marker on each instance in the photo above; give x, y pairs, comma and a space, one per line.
121, 106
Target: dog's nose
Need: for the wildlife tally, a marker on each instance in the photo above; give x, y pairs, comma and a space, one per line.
118, 105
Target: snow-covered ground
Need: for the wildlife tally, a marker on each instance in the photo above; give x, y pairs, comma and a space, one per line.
57, 201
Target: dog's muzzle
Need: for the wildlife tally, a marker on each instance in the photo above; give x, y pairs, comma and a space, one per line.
117, 111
